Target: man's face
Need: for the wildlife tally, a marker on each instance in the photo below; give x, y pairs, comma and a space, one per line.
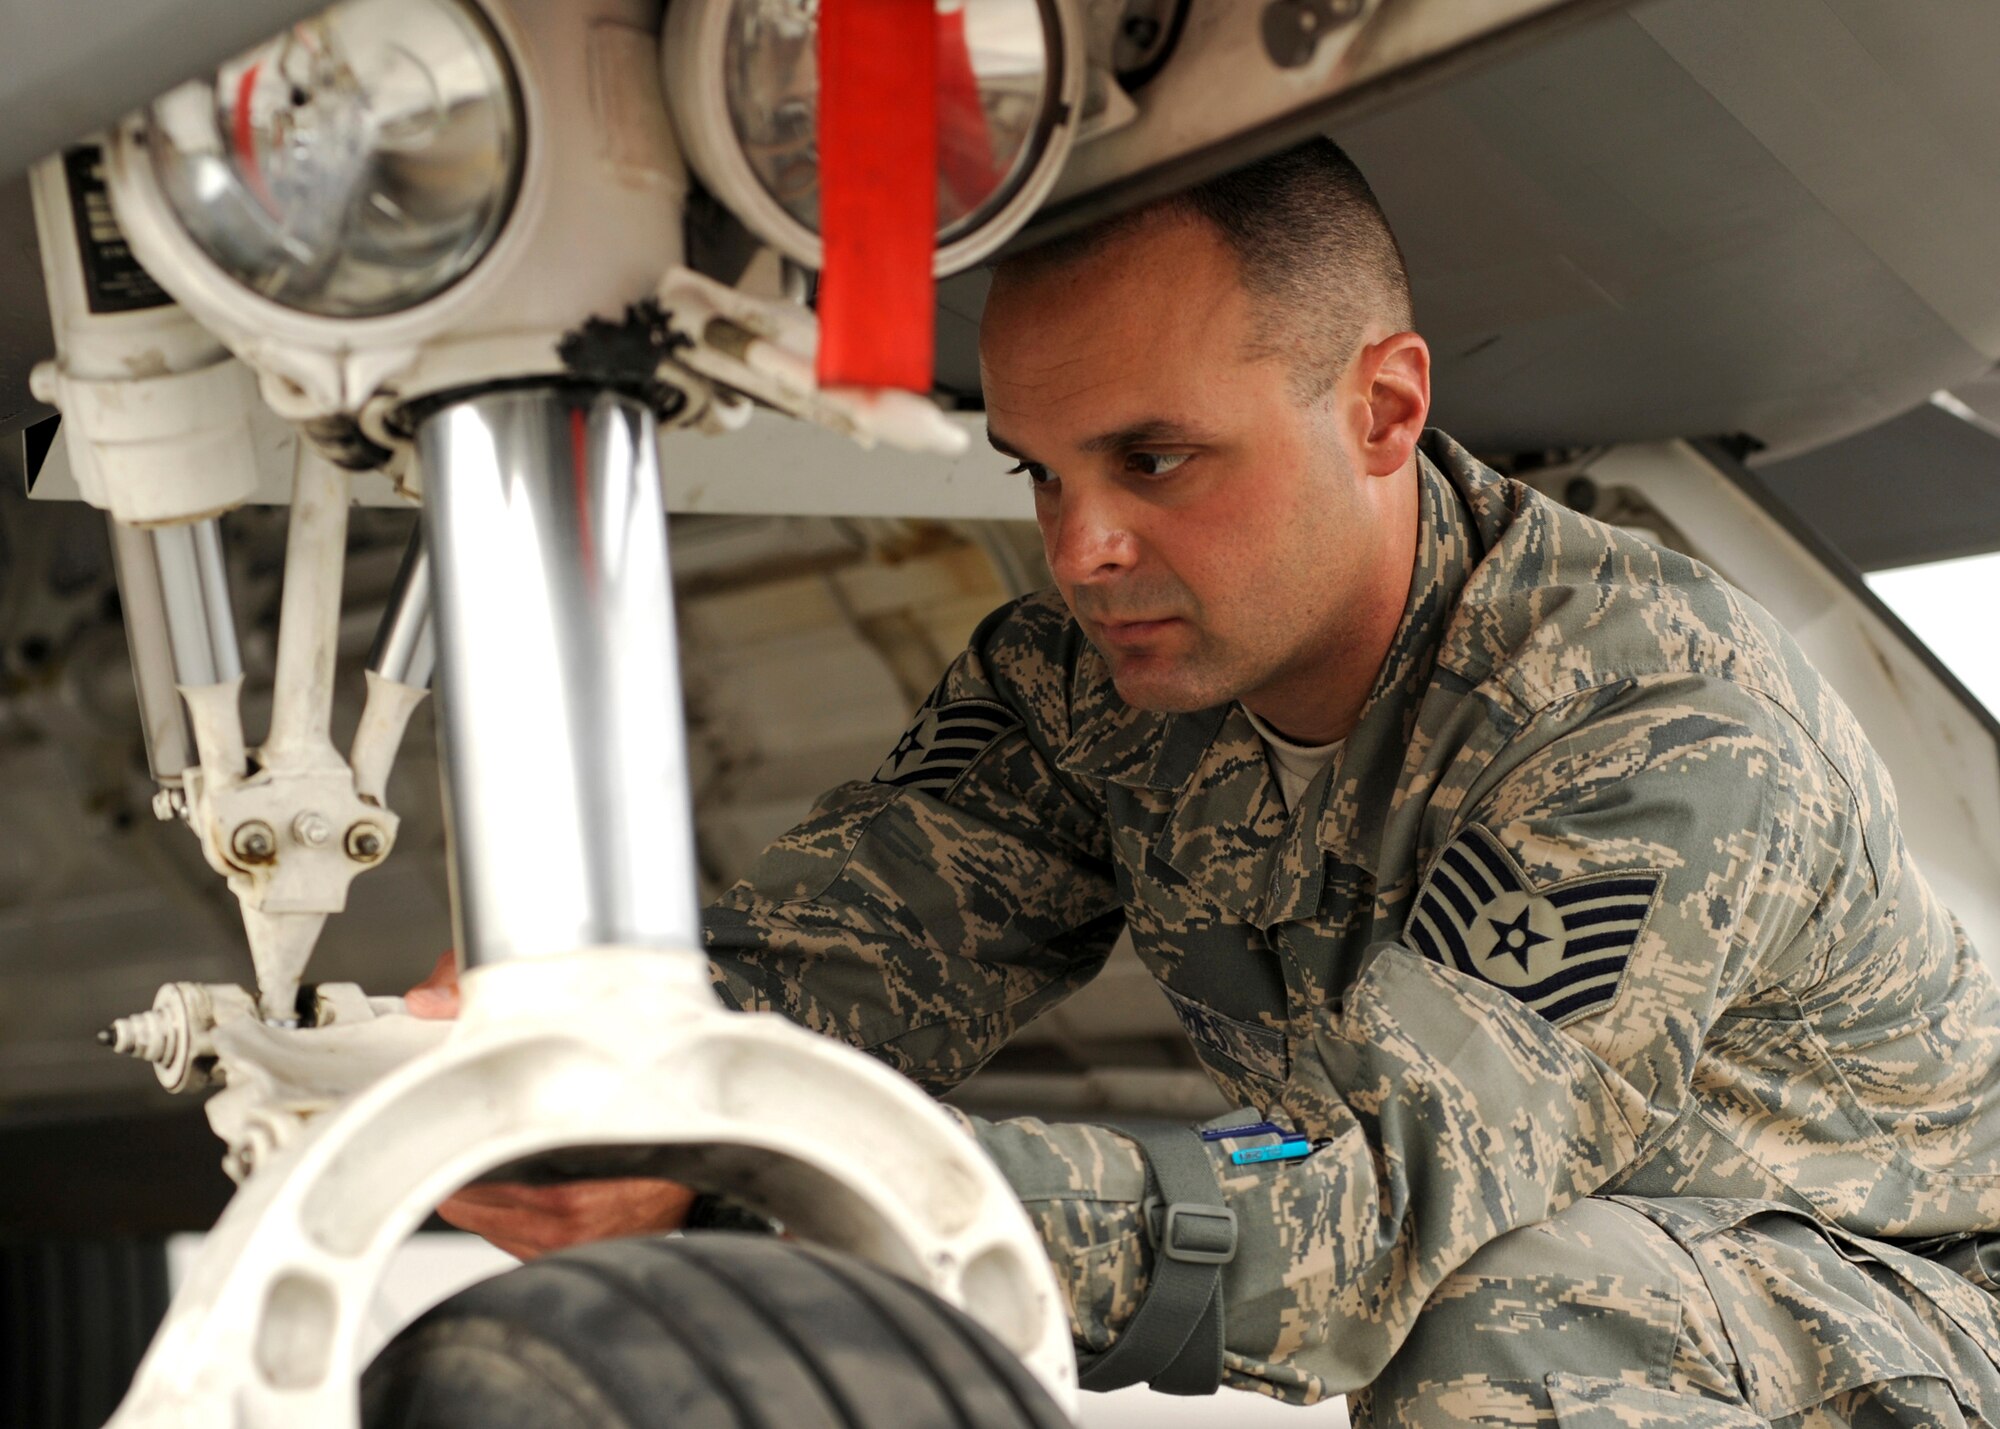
1207, 526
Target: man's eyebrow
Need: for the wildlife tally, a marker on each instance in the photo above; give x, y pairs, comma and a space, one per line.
1143, 432
1132, 434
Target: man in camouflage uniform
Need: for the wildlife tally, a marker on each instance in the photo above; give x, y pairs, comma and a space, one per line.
1592, 964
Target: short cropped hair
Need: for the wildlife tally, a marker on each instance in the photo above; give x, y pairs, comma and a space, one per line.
1312, 244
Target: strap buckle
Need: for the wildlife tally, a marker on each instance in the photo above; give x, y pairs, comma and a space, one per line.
1191, 1232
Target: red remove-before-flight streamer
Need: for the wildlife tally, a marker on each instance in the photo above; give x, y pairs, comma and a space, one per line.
878, 174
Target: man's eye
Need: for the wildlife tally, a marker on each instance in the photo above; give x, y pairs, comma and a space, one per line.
1034, 471
1155, 463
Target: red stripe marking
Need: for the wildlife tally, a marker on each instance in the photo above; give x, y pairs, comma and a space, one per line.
878, 106
243, 138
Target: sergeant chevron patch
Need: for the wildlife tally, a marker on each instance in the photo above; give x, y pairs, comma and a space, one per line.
943, 741
1562, 950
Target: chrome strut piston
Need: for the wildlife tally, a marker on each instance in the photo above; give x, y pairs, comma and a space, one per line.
560, 724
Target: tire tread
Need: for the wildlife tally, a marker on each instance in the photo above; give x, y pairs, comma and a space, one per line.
751, 1333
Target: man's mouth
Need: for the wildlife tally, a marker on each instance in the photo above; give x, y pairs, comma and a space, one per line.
1133, 632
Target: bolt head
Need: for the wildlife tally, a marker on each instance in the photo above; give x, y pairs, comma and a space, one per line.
311, 829
366, 843
254, 842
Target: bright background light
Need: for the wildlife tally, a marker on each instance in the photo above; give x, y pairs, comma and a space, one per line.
1954, 607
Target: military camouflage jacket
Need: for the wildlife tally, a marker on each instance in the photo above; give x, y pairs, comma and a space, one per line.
1604, 893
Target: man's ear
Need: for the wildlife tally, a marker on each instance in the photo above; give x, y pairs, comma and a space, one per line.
1393, 378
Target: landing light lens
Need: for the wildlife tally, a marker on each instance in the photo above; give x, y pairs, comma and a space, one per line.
742, 78
993, 82
356, 166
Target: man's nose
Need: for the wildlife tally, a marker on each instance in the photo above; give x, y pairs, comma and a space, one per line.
1091, 540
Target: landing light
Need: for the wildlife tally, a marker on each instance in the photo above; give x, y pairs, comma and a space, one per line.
742, 80
357, 165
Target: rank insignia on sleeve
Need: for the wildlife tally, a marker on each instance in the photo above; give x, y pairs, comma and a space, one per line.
1562, 949
942, 742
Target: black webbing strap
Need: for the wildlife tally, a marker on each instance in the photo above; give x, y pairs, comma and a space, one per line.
1174, 1341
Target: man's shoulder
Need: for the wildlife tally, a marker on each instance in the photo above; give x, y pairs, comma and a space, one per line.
1033, 656
1560, 603
1565, 621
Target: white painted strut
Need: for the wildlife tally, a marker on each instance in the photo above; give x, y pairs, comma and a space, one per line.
290, 837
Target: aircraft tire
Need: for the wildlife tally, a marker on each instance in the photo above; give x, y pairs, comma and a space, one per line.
710, 1331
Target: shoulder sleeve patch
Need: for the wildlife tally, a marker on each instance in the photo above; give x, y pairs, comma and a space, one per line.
942, 741
1562, 949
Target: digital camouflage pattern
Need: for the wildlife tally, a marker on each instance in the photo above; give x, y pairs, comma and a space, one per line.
1796, 1049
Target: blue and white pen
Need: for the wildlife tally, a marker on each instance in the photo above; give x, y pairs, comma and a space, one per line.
1295, 1145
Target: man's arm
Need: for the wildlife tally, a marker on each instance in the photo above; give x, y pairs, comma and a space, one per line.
929, 913
1698, 841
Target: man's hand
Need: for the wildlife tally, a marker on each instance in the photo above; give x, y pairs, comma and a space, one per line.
436, 997
527, 1221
